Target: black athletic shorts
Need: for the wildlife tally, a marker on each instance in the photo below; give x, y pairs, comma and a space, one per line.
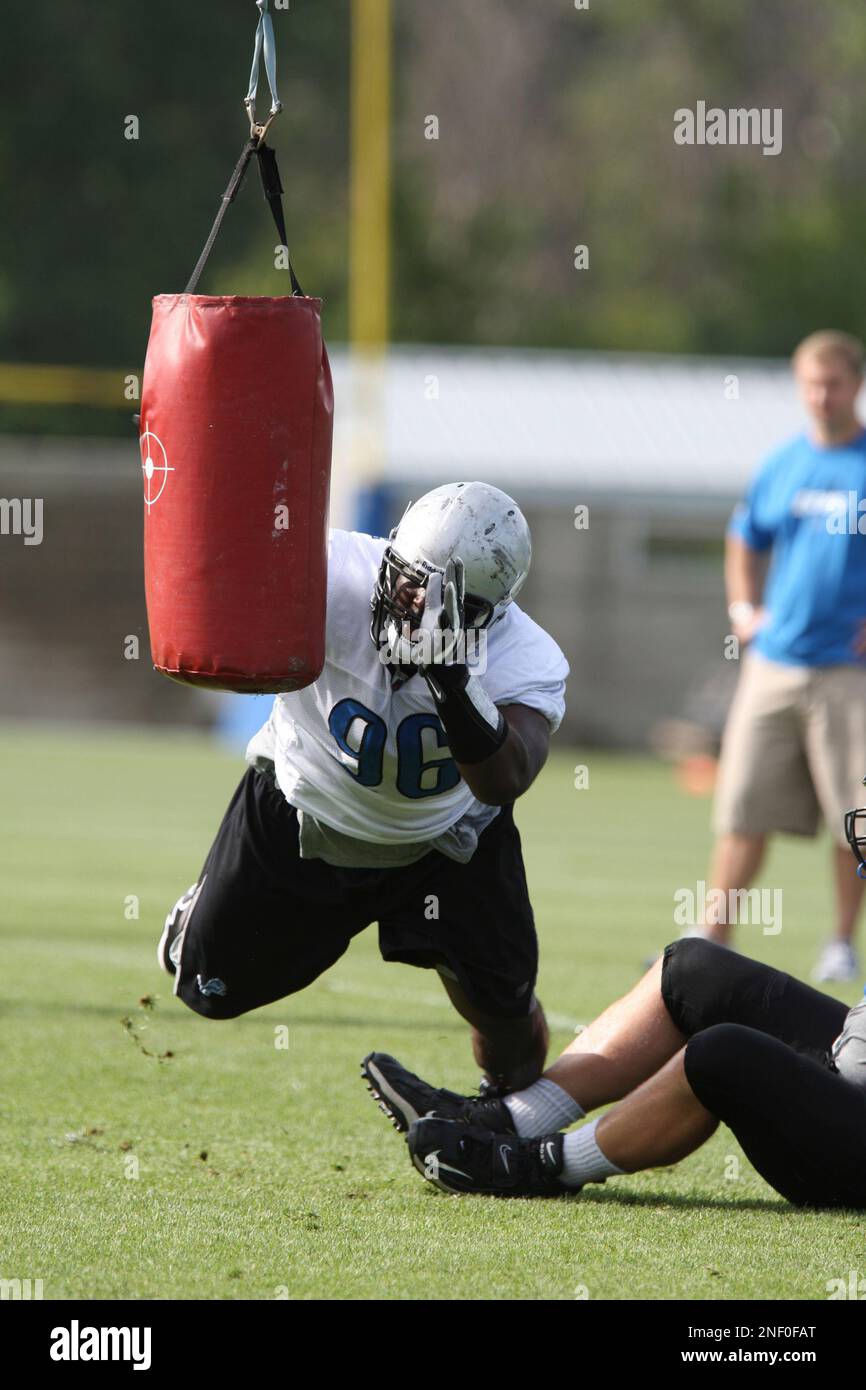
266, 923
758, 1059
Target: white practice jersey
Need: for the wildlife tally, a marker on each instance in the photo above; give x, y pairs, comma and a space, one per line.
373, 763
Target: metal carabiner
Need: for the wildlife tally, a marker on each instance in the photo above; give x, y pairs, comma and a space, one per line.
265, 43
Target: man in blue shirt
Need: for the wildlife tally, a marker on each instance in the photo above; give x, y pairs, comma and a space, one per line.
795, 571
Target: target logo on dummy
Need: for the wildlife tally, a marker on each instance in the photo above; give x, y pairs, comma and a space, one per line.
154, 466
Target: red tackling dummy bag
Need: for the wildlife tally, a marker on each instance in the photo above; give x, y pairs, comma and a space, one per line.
235, 433
236, 426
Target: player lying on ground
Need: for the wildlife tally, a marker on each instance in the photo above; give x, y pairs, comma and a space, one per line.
706, 1036
383, 791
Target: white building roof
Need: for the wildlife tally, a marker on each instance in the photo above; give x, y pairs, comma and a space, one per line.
600, 422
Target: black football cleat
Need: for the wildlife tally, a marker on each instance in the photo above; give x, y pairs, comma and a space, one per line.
464, 1158
405, 1098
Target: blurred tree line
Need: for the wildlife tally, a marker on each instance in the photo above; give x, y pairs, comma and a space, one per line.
555, 129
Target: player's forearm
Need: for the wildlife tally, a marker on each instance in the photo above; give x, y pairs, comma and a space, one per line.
501, 778
511, 770
498, 750
745, 570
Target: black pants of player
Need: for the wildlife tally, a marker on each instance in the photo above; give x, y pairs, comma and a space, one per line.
758, 1059
265, 923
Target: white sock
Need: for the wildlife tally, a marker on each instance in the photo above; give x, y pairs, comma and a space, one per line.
582, 1159
542, 1108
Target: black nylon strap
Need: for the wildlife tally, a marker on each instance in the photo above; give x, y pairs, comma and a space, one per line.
228, 197
273, 190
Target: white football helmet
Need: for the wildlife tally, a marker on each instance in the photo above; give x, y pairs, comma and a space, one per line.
473, 522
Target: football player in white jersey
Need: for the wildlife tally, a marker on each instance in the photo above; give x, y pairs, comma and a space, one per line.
383, 792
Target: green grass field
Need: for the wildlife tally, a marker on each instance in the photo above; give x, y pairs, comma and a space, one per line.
233, 1169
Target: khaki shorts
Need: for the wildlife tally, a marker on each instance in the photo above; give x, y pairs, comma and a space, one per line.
794, 747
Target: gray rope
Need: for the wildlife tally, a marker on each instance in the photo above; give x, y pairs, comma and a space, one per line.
265, 43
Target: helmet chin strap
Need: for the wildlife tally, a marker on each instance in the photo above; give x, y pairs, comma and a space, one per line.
400, 675
399, 645
400, 649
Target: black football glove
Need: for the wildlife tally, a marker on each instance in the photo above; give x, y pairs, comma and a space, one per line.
475, 727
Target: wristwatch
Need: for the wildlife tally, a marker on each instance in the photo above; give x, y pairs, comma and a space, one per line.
740, 611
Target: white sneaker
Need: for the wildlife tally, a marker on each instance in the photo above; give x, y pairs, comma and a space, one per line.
837, 961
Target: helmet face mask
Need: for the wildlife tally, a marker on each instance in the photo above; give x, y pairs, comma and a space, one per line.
389, 613
384, 603
855, 833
